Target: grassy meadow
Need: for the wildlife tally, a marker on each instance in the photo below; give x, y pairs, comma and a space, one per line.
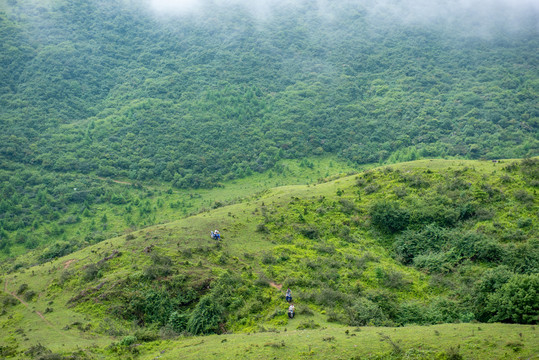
137, 295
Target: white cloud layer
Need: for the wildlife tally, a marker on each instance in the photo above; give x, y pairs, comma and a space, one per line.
477, 13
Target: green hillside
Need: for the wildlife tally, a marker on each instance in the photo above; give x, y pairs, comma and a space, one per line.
93, 90
116, 89
46, 214
422, 243
355, 151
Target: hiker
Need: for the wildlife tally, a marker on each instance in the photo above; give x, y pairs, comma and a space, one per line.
215, 235
291, 311
288, 295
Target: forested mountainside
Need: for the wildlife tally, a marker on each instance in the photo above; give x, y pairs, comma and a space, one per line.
119, 89
131, 128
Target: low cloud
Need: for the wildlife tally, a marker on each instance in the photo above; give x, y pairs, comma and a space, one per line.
479, 15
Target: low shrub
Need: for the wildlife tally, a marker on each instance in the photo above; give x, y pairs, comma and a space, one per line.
310, 324
523, 196
22, 289
29, 295
302, 309
410, 312
442, 310
178, 321
389, 217
365, 312
91, 272
128, 340
206, 317
516, 301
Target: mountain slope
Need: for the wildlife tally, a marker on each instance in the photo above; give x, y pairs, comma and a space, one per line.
116, 89
423, 242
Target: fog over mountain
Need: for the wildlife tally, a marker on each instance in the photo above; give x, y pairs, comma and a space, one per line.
479, 16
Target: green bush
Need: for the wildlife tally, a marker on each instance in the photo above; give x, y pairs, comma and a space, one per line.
435, 211
329, 297
488, 250
310, 324
178, 321
412, 243
206, 317
148, 306
91, 272
517, 301
55, 251
524, 196
128, 340
523, 258
437, 249
391, 278
442, 310
490, 282
410, 312
365, 312
310, 232
302, 309
22, 289
389, 217
146, 334
153, 272
434, 262
29, 295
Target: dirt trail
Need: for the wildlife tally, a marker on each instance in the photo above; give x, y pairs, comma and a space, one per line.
115, 181
277, 286
68, 262
24, 303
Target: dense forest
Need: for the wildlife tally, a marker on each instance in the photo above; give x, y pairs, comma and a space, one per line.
122, 90
115, 89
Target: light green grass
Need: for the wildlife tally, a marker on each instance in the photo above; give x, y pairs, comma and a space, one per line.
472, 341
168, 204
59, 281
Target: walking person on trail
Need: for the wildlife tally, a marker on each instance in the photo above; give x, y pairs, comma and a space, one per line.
288, 295
291, 311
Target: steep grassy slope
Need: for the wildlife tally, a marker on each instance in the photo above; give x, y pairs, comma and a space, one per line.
417, 243
68, 211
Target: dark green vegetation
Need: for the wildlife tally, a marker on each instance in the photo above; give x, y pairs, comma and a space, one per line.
111, 89
126, 135
67, 211
424, 243
107, 88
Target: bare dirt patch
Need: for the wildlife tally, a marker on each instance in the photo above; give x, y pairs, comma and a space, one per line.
277, 286
68, 262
